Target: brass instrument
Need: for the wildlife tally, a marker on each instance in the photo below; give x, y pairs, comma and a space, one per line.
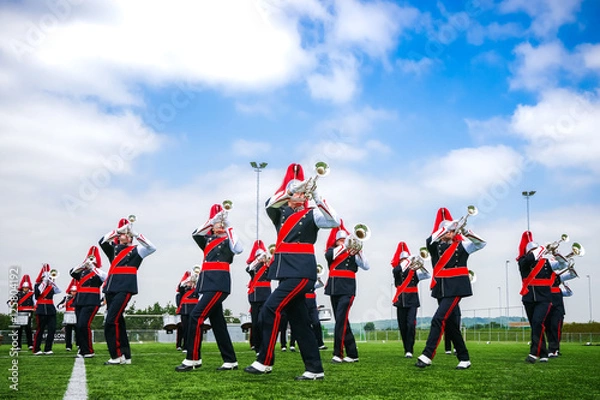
417, 262
195, 274
553, 247
272, 249
361, 234
576, 250
320, 270
322, 169
462, 222
227, 205
472, 276
53, 274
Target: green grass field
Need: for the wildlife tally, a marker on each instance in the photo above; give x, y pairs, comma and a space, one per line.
498, 372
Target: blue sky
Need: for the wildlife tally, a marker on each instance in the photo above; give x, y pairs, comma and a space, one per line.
107, 111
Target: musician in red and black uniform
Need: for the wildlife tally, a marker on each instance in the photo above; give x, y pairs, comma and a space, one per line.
259, 288
89, 277
68, 305
295, 267
25, 304
188, 298
343, 261
449, 246
536, 265
121, 284
45, 312
554, 320
406, 299
220, 244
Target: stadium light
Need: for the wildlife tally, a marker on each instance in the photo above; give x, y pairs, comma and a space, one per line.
527, 195
257, 167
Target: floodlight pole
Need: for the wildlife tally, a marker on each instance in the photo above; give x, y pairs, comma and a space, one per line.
257, 168
527, 195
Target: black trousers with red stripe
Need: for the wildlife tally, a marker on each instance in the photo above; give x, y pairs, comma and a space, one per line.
343, 337
553, 326
407, 323
209, 306
115, 331
83, 329
536, 314
256, 331
44, 322
446, 319
289, 296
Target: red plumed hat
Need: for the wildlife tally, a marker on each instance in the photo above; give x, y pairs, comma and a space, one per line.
45, 268
526, 244
122, 222
402, 251
294, 171
215, 209
25, 281
442, 215
258, 245
93, 251
336, 234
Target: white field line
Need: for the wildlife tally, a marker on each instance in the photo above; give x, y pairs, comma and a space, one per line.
77, 388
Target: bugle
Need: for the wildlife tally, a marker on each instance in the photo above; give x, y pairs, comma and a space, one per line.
53, 274
553, 247
321, 169
576, 250
361, 234
472, 276
462, 222
417, 262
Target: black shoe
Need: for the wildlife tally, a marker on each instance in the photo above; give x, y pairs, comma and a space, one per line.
228, 367
421, 364
186, 368
251, 370
531, 359
311, 377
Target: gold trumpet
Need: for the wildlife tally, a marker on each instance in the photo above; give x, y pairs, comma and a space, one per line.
272, 249
320, 270
361, 234
322, 169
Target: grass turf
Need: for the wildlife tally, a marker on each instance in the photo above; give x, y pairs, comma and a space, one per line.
498, 372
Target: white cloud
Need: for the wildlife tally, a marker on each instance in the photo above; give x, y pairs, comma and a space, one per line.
548, 15
468, 172
537, 67
415, 67
339, 83
247, 148
561, 129
591, 56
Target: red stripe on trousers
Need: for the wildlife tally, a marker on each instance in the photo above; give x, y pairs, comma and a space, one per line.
201, 318
120, 314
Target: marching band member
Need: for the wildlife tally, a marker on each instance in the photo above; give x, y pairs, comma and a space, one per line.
259, 287
554, 320
343, 261
450, 246
25, 304
535, 266
406, 299
188, 300
220, 244
295, 267
68, 305
121, 284
45, 288
313, 317
89, 277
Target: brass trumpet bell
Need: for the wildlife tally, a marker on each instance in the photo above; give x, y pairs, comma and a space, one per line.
322, 168
362, 232
131, 218
472, 276
53, 274
227, 205
319, 270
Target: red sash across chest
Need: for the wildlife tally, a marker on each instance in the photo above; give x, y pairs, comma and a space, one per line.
531, 278
403, 288
298, 248
335, 273
439, 271
43, 297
